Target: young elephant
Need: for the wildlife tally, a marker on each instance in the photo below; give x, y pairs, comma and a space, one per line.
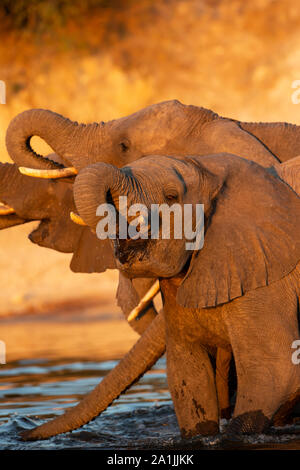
241, 289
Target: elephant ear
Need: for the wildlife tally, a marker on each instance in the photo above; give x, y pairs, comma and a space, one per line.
251, 236
131, 291
92, 255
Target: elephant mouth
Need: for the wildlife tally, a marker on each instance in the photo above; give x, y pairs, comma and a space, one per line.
128, 251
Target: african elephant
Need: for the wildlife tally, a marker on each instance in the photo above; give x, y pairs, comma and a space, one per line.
240, 290
154, 337
164, 128
168, 127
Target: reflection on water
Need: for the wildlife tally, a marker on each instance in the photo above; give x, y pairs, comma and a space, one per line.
30, 388
143, 417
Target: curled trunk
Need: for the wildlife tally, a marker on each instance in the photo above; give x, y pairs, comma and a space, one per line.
97, 184
70, 140
148, 349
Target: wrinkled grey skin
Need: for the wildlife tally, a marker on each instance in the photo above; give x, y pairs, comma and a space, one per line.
246, 278
164, 128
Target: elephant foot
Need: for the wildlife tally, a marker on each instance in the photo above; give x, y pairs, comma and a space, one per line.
205, 428
251, 422
283, 414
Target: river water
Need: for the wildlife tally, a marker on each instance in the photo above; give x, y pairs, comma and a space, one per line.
33, 391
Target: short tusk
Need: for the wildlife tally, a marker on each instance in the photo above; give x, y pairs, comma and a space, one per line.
77, 219
6, 210
150, 294
48, 174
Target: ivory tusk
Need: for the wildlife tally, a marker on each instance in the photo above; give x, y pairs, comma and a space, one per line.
150, 294
77, 219
48, 174
6, 210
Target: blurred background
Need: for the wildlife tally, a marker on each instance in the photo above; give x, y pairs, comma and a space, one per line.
98, 60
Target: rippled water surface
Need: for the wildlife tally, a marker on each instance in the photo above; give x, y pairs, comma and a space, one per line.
33, 391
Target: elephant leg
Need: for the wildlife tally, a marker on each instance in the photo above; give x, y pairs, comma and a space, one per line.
223, 360
262, 326
192, 386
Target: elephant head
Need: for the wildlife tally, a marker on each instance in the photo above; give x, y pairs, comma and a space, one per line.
167, 128
46, 201
245, 220
118, 142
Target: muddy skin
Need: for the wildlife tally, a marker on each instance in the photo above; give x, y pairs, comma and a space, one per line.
249, 423
205, 131
285, 412
209, 428
229, 290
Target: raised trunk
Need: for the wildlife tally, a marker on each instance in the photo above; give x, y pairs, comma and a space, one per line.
135, 363
97, 184
70, 140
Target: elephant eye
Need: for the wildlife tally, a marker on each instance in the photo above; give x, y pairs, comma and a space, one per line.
124, 145
171, 195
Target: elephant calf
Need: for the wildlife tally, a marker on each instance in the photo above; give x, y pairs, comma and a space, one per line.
240, 290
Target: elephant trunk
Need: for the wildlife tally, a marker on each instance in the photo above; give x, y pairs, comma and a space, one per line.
70, 140
148, 349
97, 184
